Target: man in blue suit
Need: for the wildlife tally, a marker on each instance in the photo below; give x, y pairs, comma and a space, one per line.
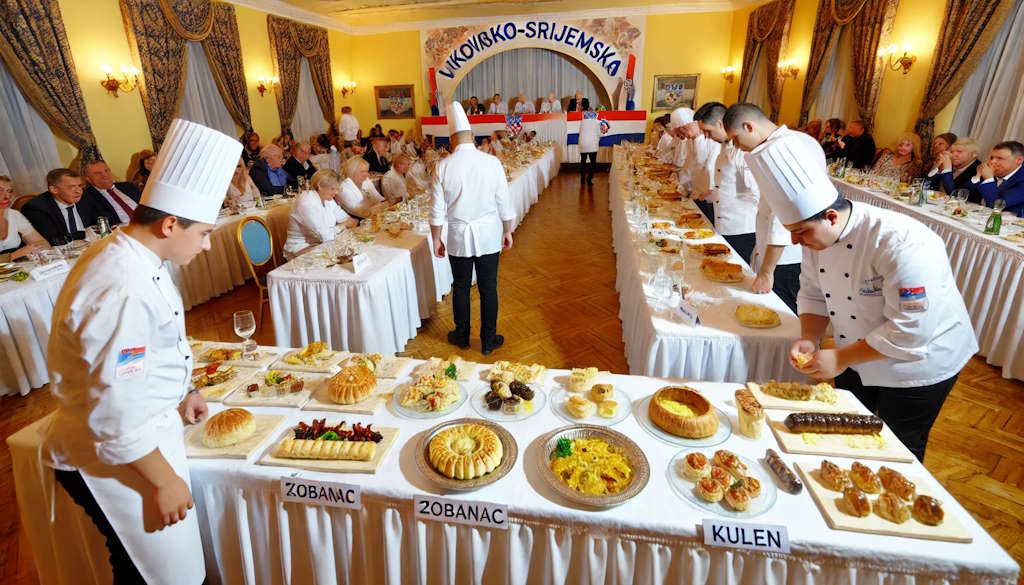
1001, 177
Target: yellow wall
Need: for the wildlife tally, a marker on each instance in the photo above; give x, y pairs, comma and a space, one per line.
256, 61
386, 59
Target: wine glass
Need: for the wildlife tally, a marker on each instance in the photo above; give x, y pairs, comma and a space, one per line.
245, 326
961, 196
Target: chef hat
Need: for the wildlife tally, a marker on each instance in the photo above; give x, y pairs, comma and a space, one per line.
790, 172
192, 172
680, 117
457, 120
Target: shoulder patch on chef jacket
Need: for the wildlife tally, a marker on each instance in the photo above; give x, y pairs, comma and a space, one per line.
131, 361
913, 299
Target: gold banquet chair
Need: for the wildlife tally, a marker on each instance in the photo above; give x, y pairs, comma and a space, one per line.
257, 243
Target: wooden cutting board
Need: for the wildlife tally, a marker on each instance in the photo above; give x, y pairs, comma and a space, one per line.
846, 402
321, 400
327, 366
335, 466
836, 445
218, 392
393, 367
314, 382
194, 447
951, 530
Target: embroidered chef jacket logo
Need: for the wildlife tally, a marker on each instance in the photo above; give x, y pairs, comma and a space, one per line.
913, 299
131, 361
872, 286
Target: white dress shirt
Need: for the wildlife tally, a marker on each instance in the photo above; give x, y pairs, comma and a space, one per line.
312, 221
79, 225
18, 226
470, 193
525, 108
696, 159
357, 201
666, 148
547, 107
734, 193
497, 108
394, 186
246, 199
590, 134
348, 127
110, 194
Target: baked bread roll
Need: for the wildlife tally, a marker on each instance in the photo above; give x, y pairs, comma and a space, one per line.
856, 503
731, 463
228, 427
721, 475
352, 384
710, 489
864, 478
928, 510
580, 407
683, 412
833, 477
320, 449
465, 451
892, 508
600, 392
696, 466
751, 414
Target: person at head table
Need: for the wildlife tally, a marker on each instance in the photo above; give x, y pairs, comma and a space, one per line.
550, 105
475, 107
61, 213
525, 106
578, 103
17, 236
315, 216
1001, 178
242, 191
497, 106
358, 197
394, 185
268, 173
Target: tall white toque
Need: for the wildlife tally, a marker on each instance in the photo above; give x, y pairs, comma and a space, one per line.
791, 172
680, 117
457, 120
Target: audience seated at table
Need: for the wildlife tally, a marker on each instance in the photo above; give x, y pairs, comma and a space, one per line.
857, 146
525, 106
904, 161
358, 197
321, 144
354, 149
813, 129
242, 191
394, 185
578, 103
268, 172
475, 108
550, 105
955, 168
62, 213
941, 144
396, 143
497, 106
315, 217
286, 140
833, 131
117, 201
348, 127
139, 167
1001, 177
298, 164
377, 154
486, 145
251, 148
17, 236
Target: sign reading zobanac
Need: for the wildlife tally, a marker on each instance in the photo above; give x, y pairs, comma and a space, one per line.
602, 45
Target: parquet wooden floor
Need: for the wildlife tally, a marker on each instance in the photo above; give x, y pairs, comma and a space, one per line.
559, 307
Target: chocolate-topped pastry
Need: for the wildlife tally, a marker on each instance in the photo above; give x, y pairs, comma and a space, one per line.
512, 405
521, 390
493, 400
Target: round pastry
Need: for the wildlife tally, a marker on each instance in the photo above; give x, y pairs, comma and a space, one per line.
719, 474
465, 451
737, 498
600, 392
580, 407
607, 409
521, 390
351, 384
228, 427
730, 462
710, 489
683, 412
695, 466
752, 485
501, 388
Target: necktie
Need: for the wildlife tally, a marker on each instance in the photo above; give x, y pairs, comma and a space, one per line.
72, 225
127, 210
999, 182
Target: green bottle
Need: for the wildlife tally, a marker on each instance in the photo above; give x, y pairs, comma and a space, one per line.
995, 223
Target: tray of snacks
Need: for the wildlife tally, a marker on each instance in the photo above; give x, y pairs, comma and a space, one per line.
216, 380
592, 466
276, 388
466, 454
332, 446
234, 433
862, 436
722, 483
820, 397
603, 404
431, 395
315, 357
682, 416
506, 371
231, 354
509, 402
463, 371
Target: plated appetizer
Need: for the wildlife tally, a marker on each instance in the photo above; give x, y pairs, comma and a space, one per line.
433, 392
591, 466
316, 355
213, 381
318, 440
506, 371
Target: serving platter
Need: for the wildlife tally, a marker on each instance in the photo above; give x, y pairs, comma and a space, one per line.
641, 468
195, 449
510, 452
686, 488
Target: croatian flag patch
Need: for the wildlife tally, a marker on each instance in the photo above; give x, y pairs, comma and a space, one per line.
913, 299
131, 361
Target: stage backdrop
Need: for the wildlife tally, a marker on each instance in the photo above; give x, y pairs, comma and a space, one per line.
612, 48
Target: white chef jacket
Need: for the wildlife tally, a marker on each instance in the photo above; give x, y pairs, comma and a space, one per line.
547, 107
769, 231
666, 148
312, 221
470, 192
734, 193
357, 201
887, 281
590, 134
525, 108
695, 159
394, 186
499, 108
348, 127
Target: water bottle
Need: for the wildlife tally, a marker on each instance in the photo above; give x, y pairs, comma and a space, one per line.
104, 225
922, 194
841, 171
995, 221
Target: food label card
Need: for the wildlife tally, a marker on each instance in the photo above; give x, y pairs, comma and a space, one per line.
466, 512
687, 314
762, 537
321, 493
359, 262
50, 270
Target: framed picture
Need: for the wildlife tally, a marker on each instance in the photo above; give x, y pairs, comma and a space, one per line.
674, 91
394, 102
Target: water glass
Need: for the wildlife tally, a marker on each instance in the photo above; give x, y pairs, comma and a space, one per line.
961, 196
245, 327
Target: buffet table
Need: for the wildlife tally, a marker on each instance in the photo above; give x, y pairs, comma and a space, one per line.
718, 348
250, 535
26, 310
526, 184
989, 272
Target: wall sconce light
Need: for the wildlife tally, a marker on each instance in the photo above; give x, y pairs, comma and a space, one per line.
263, 85
347, 87
788, 69
896, 63
129, 79
729, 73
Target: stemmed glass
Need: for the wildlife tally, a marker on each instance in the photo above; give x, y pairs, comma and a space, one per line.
961, 196
245, 326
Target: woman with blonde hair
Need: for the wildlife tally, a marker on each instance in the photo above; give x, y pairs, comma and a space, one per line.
242, 191
904, 161
17, 236
315, 217
139, 168
358, 197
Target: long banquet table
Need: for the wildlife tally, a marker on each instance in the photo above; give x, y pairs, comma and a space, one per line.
718, 348
989, 272
250, 535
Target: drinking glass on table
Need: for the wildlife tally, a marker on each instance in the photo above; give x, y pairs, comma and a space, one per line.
961, 196
245, 326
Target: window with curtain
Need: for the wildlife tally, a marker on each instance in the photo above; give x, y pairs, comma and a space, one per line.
309, 118
990, 110
534, 71
201, 101
27, 148
757, 90
835, 100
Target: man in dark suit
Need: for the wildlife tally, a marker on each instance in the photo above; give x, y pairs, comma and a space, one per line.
60, 214
578, 103
1002, 178
475, 107
117, 201
857, 147
955, 168
298, 164
268, 172
375, 155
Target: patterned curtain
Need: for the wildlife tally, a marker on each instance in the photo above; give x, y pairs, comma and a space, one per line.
224, 53
35, 49
968, 28
290, 41
767, 31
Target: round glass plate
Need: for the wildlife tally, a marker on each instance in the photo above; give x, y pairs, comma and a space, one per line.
724, 428
687, 489
641, 468
424, 414
560, 396
510, 451
529, 409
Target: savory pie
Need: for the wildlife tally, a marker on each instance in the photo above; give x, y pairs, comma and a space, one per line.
721, 271
757, 317
712, 249
465, 451
698, 234
351, 384
683, 412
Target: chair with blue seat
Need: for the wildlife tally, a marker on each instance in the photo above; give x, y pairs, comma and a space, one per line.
257, 244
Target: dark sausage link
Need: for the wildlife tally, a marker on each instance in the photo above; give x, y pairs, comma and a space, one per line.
843, 424
790, 482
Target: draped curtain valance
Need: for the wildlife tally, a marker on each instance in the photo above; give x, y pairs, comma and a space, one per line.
290, 41
768, 36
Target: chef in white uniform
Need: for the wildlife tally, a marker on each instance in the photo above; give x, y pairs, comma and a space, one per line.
591, 130
883, 281
694, 156
470, 194
120, 366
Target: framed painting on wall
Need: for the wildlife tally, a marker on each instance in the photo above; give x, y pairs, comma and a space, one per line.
674, 91
394, 102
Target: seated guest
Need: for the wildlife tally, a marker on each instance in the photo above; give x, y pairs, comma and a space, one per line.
475, 108
358, 197
813, 129
1001, 177
394, 183
955, 168
17, 236
376, 155
496, 144
285, 141
418, 176
351, 150
348, 127
321, 145
941, 144
834, 130
486, 145
857, 147
139, 168
497, 106
251, 148
117, 201
578, 103
61, 214
412, 146
550, 105
396, 143
242, 191
523, 106
268, 172
904, 162
315, 216
298, 164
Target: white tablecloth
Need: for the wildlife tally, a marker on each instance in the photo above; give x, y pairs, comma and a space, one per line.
251, 536
989, 272
719, 348
526, 185
26, 312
